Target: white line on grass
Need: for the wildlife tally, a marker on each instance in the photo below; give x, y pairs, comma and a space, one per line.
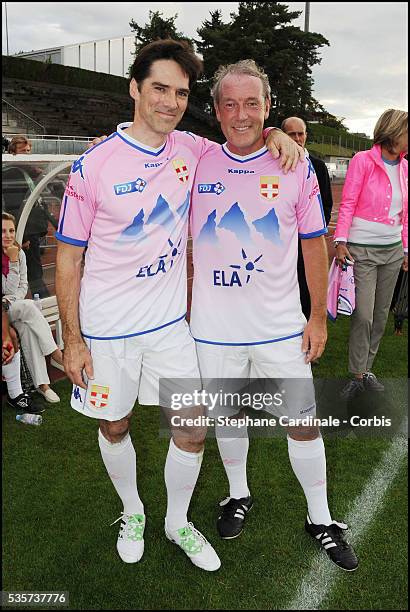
322, 575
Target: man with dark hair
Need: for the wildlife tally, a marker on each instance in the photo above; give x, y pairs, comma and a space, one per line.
128, 200
295, 128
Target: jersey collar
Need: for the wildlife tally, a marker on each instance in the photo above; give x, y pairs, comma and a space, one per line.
140, 146
244, 158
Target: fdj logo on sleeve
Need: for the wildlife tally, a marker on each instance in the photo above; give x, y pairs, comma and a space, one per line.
217, 188
124, 188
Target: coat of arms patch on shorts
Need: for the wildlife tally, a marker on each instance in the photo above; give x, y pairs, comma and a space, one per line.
99, 396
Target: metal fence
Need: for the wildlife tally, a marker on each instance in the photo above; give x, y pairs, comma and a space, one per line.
55, 144
340, 143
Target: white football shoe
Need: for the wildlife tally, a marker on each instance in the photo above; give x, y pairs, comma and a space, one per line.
130, 542
195, 546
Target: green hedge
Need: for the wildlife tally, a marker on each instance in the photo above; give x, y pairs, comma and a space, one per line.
32, 70
316, 131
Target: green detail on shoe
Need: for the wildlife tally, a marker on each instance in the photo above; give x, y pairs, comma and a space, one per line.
135, 527
190, 542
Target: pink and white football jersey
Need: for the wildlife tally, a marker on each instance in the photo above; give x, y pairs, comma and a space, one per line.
246, 218
129, 205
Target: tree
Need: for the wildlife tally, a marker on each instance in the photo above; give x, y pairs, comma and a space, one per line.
157, 28
263, 31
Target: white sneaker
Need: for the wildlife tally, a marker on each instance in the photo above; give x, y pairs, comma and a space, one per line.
130, 543
195, 546
50, 395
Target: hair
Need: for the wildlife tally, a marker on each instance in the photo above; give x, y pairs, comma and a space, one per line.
17, 140
247, 66
8, 217
284, 122
389, 127
180, 51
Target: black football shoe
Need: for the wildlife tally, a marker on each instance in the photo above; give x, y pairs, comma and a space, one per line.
230, 523
332, 540
371, 383
24, 403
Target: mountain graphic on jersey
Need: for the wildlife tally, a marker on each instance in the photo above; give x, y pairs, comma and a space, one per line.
208, 231
161, 214
136, 229
183, 209
268, 226
234, 221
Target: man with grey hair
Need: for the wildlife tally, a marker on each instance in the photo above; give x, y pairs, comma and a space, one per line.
246, 316
296, 129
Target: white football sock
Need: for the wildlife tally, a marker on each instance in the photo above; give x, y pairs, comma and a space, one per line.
308, 461
234, 453
11, 374
120, 462
181, 473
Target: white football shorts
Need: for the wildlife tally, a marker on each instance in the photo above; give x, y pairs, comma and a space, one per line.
149, 368
280, 366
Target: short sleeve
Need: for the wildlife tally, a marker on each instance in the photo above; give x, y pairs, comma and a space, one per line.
78, 206
309, 209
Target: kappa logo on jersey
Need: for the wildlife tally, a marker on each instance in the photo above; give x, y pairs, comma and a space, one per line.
77, 394
236, 171
310, 167
181, 170
217, 188
153, 165
123, 188
99, 396
78, 166
269, 187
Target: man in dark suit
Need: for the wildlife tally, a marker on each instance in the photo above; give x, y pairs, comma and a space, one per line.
296, 129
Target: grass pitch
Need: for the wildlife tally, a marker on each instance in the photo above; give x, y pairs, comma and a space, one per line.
59, 503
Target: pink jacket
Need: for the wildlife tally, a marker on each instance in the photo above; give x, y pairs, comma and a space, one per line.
367, 192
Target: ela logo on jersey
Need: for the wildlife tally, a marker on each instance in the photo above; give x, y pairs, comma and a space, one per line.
269, 187
235, 278
164, 263
217, 188
181, 170
133, 186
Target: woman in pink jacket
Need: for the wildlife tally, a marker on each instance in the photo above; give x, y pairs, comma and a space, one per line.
371, 232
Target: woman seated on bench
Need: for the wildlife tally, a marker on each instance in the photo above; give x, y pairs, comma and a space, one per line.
35, 334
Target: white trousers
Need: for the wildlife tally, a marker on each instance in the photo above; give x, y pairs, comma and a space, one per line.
35, 337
